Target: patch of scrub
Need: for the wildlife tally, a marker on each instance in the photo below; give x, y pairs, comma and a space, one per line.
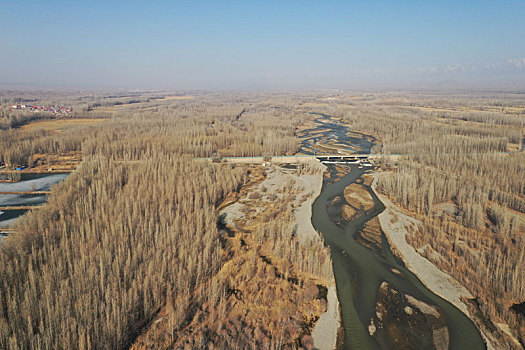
308, 187
358, 197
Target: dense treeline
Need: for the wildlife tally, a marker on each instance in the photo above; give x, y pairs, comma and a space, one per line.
16, 146
16, 119
469, 195
134, 228
480, 241
95, 263
407, 131
204, 127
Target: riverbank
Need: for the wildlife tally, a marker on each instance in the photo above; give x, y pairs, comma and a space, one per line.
306, 184
396, 225
325, 330
324, 333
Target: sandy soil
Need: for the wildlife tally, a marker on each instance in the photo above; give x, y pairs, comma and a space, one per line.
395, 225
325, 331
424, 307
303, 213
232, 213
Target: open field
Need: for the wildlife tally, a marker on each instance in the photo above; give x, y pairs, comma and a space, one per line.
59, 124
185, 97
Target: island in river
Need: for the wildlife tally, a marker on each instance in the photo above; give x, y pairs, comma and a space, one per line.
383, 304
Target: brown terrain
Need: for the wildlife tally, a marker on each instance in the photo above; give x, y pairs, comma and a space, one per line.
270, 296
95, 269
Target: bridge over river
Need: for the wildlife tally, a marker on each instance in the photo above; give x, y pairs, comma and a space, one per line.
329, 158
300, 158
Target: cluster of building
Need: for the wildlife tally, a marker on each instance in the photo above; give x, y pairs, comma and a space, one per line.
52, 109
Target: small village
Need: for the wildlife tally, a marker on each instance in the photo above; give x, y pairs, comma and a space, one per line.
58, 110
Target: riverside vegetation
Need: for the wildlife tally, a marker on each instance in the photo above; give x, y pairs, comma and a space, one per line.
272, 285
131, 237
459, 180
132, 234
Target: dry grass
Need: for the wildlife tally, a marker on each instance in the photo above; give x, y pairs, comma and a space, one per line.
185, 97
59, 124
359, 197
348, 212
111, 110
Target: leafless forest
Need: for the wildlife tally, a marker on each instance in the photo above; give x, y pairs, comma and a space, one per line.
132, 234
133, 231
460, 181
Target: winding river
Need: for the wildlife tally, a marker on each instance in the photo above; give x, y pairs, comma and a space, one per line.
360, 271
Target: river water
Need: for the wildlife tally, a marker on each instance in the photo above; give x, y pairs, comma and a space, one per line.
360, 270
29, 182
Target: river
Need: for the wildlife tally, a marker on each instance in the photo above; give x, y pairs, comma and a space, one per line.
29, 182
360, 271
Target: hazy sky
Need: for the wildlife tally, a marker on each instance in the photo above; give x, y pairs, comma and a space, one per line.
261, 44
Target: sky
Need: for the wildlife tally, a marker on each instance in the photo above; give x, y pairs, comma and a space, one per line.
262, 44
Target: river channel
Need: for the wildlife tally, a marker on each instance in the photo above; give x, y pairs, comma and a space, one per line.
29, 182
361, 272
